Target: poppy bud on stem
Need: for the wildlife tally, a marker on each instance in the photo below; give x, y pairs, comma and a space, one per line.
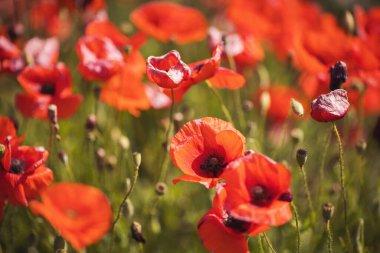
54, 129
301, 157
327, 213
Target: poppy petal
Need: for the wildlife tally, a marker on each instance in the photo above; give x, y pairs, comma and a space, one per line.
227, 79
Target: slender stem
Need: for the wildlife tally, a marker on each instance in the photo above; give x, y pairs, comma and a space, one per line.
324, 154
122, 204
164, 164
297, 227
307, 190
267, 240
342, 177
329, 236
260, 240
220, 100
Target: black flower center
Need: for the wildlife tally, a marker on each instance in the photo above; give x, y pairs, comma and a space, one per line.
213, 166
17, 166
235, 224
260, 196
47, 89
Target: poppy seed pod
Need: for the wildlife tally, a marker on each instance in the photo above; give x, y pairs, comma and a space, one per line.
349, 22
327, 211
301, 157
297, 135
361, 146
136, 156
297, 107
91, 122
338, 75
136, 231
161, 188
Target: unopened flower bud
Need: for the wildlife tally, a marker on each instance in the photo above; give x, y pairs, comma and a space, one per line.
265, 102
248, 105
177, 120
128, 209
349, 22
297, 135
297, 107
2, 151
338, 75
161, 188
327, 211
361, 146
59, 244
124, 142
91, 122
52, 114
100, 155
301, 157
136, 156
136, 231
62, 156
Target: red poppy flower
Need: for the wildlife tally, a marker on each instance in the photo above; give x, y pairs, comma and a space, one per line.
207, 68
45, 86
81, 214
222, 233
23, 174
170, 22
331, 106
42, 51
99, 58
258, 190
125, 91
105, 28
167, 71
203, 148
10, 56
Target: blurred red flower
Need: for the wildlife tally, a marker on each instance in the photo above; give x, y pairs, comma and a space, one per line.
258, 190
10, 56
331, 106
81, 214
168, 71
170, 22
42, 52
45, 86
99, 58
23, 173
203, 148
222, 233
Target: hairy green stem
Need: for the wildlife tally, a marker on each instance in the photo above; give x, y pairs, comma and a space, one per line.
297, 226
220, 100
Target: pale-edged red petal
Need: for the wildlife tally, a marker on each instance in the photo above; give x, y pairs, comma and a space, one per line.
331, 106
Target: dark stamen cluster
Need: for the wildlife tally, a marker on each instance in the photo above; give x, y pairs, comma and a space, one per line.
213, 165
17, 166
235, 224
260, 196
47, 89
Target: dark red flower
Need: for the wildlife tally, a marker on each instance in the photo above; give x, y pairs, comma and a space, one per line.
45, 86
99, 58
203, 148
168, 71
23, 173
258, 190
222, 233
10, 56
42, 51
331, 106
170, 22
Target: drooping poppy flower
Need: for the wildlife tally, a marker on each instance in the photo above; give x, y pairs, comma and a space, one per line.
99, 58
203, 148
42, 51
45, 86
167, 71
104, 27
81, 214
23, 173
126, 91
222, 233
258, 190
10, 56
331, 106
170, 22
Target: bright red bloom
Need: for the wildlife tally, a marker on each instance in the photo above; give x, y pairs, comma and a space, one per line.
331, 106
99, 58
168, 71
45, 86
81, 214
23, 173
258, 190
170, 22
203, 148
105, 28
42, 51
10, 56
222, 233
